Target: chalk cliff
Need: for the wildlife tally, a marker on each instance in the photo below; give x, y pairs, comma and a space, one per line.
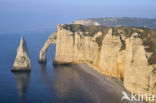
22, 61
86, 22
128, 53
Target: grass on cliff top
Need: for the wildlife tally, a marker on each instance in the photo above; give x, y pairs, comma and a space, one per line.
90, 29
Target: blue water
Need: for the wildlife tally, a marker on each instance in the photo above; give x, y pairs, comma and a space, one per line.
45, 84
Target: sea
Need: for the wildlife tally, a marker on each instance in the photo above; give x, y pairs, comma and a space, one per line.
45, 83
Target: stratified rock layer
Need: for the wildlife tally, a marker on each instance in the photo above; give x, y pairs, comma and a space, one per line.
22, 61
128, 53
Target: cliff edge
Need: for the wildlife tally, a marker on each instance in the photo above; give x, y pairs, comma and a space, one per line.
127, 53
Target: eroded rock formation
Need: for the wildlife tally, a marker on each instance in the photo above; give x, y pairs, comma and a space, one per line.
51, 40
127, 53
22, 61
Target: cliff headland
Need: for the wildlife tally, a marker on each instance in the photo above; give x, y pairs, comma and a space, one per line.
127, 53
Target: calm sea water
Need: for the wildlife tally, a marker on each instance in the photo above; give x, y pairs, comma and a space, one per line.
45, 84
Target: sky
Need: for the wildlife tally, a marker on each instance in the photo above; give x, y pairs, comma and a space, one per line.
44, 15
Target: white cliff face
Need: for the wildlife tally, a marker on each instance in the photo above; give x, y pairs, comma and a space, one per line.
120, 52
86, 22
65, 41
75, 47
22, 61
111, 55
136, 67
85, 48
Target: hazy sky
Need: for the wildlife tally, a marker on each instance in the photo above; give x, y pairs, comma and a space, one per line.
43, 15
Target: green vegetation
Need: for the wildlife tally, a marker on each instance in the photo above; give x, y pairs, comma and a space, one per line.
151, 38
126, 21
91, 30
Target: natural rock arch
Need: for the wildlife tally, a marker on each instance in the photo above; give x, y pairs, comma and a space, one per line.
43, 51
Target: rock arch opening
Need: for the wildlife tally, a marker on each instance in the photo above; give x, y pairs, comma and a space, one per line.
43, 52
